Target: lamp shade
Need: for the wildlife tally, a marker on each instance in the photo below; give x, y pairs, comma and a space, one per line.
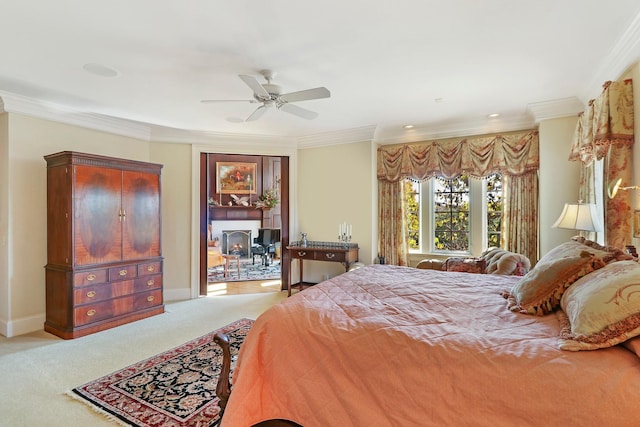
579, 216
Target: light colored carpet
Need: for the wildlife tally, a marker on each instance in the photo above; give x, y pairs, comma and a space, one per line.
37, 369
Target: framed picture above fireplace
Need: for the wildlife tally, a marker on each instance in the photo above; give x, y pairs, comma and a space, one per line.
235, 178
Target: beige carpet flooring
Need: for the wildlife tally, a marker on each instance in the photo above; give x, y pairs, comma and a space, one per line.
37, 369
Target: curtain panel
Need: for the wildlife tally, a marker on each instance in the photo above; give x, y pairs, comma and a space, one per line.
392, 223
510, 154
520, 215
605, 130
607, 121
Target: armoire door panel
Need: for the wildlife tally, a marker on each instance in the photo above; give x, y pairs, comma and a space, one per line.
97, 219
141, 204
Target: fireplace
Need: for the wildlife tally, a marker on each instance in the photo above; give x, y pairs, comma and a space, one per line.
236, 242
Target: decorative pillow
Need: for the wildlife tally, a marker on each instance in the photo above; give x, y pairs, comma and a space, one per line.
466, 265
602, 309
578, 244
540, 290
501, 261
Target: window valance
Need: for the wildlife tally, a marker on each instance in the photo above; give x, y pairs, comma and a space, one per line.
479, 156
608, 120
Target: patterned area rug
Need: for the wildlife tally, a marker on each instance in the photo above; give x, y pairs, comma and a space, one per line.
248, 271
175, 388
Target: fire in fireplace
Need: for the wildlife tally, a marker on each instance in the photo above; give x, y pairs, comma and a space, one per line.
236, 242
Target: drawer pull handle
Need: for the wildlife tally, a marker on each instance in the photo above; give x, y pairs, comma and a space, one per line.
91, 294
331, 255
150, 298
123, 272
150, 268
91, 312
150, 282
91, 277
301, 253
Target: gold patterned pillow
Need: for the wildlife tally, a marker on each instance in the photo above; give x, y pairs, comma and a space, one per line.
601, 309
577, 244
540, 290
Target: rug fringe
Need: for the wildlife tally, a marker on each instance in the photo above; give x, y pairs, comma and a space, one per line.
107, 415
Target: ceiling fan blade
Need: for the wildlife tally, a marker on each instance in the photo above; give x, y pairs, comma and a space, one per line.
306, 95
257, 113
211, 101
299, 111
255, 86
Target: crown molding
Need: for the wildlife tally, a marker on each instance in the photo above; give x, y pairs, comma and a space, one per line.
19, 104
184, 136
344, 136
624, 54
555, 108
454, 130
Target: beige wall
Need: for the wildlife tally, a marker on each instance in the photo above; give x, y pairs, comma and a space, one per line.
336, 184
176, 217
558, 179
29, 139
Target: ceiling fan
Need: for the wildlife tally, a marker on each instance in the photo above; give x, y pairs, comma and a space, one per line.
269, 95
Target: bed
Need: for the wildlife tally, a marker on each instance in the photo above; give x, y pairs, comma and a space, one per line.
397, 346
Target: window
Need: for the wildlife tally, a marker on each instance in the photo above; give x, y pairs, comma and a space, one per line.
454, 215
451, 214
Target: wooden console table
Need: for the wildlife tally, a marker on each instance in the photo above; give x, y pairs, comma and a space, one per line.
346, 254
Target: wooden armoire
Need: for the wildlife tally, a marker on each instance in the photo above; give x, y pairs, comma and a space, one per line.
104, 259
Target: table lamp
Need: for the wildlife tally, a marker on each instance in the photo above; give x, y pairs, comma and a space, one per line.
579, 216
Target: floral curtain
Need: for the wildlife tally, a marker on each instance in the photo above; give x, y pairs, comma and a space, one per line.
617, 214
511, 154
392, 239
605, 130
520, 215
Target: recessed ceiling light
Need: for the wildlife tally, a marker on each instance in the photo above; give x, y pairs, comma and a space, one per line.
408, 126
100, 70
494, 115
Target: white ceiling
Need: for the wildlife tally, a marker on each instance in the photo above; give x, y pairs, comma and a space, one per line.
440, 65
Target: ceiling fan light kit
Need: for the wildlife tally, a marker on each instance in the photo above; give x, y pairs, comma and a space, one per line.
269, 95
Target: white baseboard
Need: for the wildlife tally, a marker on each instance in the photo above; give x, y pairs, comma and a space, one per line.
25, 325
3, 328
176, 294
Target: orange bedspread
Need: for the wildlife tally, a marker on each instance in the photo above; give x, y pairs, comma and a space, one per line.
397, 346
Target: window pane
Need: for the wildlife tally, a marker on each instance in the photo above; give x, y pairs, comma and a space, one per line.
412, 194
494, 209
494, 222
451, 214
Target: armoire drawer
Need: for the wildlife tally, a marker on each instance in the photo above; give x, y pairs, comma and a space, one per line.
104, 291
89, 277
90, 313
149, 268
147, 283
123, 272
147, 299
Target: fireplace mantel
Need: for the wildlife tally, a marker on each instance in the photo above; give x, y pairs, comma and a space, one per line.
230, 213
